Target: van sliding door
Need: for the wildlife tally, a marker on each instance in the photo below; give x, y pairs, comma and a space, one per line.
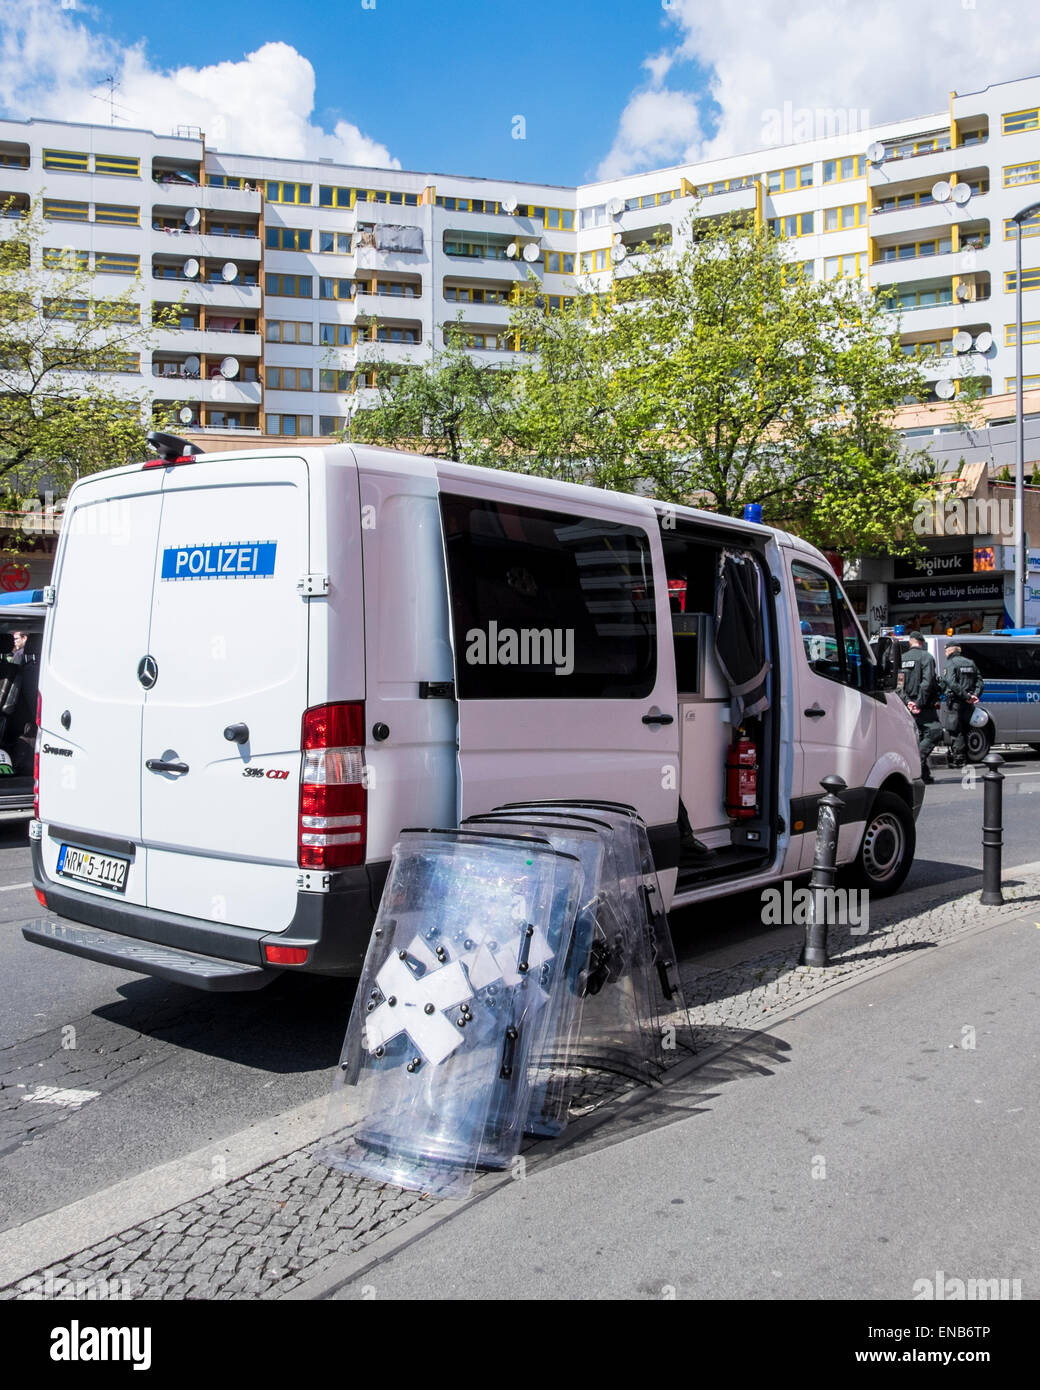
565, 687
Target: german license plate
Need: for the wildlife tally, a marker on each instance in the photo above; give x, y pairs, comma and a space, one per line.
104, 870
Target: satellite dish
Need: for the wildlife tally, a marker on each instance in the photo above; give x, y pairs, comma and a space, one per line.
944, 390
963, 291
619, 254
190, 366
229, 272
531, 252
876, 152
190, 268
192, 217
616, 207
941, 191
961, 341
961, 193
512, 250
984, 342
185, 415
229, 368
509, 205
617, 238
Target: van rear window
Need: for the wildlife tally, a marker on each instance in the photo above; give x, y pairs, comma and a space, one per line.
548, 605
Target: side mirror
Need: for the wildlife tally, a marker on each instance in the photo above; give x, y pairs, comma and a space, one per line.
887, 655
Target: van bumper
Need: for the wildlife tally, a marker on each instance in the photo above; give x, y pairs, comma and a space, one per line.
334, 927
918, 789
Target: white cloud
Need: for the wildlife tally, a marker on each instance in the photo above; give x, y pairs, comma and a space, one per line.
52, 64
890, 58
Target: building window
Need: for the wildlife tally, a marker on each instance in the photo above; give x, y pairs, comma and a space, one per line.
330, 379
914, 250
397, 289
329, 197
75, 310
479, 250
594, 216
840, 219
336, 334
289, 286
1029, 383
852, 166
560, 262
849, 265
794, 271
289, 331
1030, 333
116, 263
930, 347
336, 243
288, 238
924, 299
485, 205
907, 149
595, 579
470, 294
329, 288
556, 302
126, 165
117, 215
393, 335
1016, 122
63, 258
226, 181
1030, 280
1015, 174
1030, 227
797, 224
331, 424
116, 360
559, 219
75, 161
290, 425
61, 210
119, 311
281, 192
788, 180
650, 200
592, 261
289, 379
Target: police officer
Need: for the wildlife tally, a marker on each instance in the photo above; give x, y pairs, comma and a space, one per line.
962, 685
919, 691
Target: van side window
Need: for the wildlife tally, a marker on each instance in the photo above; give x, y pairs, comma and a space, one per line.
998, 661
830, 636
547, 605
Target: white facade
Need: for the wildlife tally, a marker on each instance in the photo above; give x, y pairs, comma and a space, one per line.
311, 280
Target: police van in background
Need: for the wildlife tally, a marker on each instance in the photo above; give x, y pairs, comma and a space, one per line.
22, 618
1009, 662
317, 648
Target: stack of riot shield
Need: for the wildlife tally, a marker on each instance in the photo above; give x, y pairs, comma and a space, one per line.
506, 957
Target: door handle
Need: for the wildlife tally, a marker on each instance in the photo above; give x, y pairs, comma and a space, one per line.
160, 765
814, 712
655, 717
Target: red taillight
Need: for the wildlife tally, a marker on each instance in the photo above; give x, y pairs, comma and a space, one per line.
333, 797
168, 463
40, 897
285, 955
36, 762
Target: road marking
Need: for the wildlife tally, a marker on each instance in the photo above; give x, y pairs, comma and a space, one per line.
10, 887
65, 1097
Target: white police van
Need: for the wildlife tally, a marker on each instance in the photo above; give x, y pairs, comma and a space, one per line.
317, 648
22, 618
1009, 662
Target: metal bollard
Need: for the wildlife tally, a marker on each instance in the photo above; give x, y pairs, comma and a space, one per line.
825, 859
992, 829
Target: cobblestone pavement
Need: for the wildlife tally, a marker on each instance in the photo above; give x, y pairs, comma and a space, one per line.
264, 1234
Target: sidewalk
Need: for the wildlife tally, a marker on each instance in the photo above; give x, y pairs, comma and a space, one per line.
278, 1224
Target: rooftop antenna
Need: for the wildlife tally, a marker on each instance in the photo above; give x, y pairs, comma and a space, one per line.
113, 86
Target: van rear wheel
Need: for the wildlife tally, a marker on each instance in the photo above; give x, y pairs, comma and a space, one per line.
886, 851
980, 741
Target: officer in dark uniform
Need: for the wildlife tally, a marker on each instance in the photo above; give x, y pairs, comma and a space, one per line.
919, 691
962, 685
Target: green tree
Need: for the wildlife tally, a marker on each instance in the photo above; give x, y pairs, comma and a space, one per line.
63, 352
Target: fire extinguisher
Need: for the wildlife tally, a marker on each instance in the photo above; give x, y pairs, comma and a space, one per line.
742, 779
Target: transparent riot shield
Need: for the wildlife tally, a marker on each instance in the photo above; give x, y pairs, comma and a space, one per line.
458, 969
639, 965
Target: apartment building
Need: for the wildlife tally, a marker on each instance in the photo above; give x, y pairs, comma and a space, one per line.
289, 275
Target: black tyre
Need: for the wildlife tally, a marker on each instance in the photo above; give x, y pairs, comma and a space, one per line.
886, 851
980, 741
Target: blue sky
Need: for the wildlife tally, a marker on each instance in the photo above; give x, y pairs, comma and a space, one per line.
604, 89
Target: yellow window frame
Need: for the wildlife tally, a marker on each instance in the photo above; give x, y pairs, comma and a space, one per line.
1030, 280
124, 165
1030, 227
1031, 165
1030, 382
859, 216
71, 161
1018, 122
117, 215
1030, 333
61, 210
116, 263
65, 258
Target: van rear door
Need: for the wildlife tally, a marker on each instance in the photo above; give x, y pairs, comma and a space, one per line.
564, 664
228, 639
92, 699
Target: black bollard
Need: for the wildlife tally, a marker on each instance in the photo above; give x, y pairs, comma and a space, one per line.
825, 859
992, 829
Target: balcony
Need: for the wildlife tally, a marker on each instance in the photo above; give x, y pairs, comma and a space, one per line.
925, 219
938, 165
215, 390
235, 298
936, 317
210, 343
910, 271
369, 354
724, 204
495, 314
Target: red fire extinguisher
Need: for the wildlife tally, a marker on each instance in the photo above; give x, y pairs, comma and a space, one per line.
742, 779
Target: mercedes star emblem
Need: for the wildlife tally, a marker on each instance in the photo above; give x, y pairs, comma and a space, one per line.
148, 671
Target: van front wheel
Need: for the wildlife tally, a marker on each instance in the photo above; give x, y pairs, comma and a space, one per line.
886, 851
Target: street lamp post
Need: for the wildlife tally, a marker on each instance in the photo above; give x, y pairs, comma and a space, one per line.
1020, 436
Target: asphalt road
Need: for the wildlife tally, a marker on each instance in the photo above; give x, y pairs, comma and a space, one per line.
164, 1070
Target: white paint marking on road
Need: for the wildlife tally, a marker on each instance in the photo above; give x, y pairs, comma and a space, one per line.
10, 887
63, 1096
